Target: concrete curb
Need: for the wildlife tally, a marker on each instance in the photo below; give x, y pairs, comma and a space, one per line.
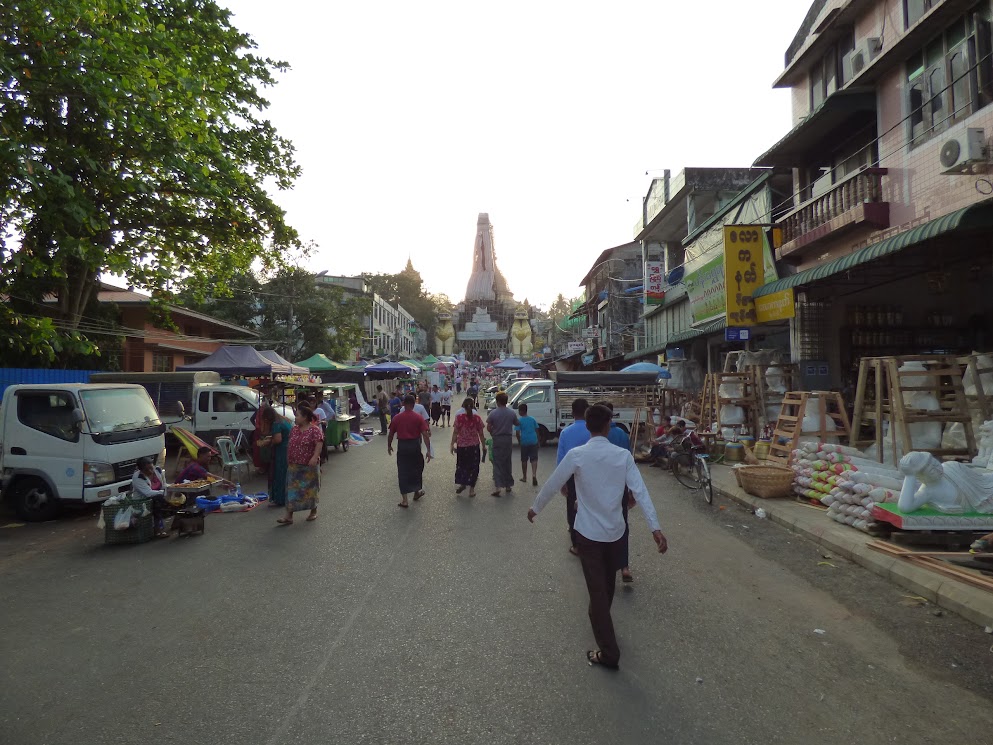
971, 603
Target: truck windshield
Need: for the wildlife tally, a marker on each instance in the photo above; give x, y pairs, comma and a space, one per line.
516, 388
118, 410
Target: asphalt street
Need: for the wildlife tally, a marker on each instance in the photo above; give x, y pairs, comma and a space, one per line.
457, 621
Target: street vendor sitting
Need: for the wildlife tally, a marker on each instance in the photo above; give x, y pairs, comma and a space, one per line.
149, 482
197, 470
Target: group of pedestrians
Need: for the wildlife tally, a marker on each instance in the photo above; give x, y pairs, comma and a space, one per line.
595, 472
295, 459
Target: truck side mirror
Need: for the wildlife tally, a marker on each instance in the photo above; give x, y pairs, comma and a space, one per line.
78, 418
182, 408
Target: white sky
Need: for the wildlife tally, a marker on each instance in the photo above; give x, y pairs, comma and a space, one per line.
409, 119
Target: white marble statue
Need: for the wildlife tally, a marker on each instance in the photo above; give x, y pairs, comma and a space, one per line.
952, 488
985, 445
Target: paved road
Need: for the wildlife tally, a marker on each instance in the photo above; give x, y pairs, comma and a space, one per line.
458, 622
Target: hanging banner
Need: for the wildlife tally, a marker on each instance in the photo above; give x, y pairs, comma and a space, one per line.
779, 306
744, 271
654, 294
705, 289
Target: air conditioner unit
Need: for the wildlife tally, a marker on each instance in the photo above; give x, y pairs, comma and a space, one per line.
961, 153
859, 58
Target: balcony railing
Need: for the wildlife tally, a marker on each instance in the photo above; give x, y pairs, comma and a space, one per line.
857, 200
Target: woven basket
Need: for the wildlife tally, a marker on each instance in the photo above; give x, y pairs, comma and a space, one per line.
765, 481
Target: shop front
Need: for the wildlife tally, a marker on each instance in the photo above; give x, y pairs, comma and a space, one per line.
922, 291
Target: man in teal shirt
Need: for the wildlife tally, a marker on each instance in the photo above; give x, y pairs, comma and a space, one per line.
527, 438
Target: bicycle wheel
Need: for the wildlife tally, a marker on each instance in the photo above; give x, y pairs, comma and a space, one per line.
684, 471
703, 476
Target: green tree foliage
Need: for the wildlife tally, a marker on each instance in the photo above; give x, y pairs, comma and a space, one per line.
132, 143
291, 313
302, 318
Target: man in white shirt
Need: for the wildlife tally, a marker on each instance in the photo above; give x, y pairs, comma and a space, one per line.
602, 471
446, 406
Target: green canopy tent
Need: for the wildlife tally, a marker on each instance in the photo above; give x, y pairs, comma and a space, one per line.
319, 363
414, 365
429, 361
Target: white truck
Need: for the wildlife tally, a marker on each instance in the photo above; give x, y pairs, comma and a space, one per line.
73, 443
213, 408
550, 401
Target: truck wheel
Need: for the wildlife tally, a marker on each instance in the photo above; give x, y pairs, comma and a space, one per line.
34, 501
543, 436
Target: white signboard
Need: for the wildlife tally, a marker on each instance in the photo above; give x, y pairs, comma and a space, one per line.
577, 346
591, 332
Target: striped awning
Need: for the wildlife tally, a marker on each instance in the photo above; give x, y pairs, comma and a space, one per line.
978, 215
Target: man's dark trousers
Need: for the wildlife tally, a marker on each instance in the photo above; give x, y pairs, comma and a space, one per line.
601, 562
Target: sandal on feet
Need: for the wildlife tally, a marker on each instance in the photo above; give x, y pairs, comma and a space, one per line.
573, 550
496, 493
418, 495
627, 577
593, 657
404, 505
162, 534
472, 494
460, 489
311, 518
534, 481
284, 521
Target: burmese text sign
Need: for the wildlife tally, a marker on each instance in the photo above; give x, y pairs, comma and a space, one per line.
744, 272
654, 294
779, 306
705, 288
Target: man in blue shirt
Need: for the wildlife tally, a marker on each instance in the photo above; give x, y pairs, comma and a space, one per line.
396, 403
527, 437
573, 436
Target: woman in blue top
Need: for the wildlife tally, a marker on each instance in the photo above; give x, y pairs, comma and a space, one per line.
527, 437
279, 439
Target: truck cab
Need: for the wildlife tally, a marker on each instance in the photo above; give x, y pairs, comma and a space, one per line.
539, 395
66, 443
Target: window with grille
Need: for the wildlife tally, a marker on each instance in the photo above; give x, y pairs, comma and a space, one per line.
162, 362
952, 76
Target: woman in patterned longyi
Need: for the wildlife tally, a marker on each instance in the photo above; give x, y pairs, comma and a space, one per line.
303, 470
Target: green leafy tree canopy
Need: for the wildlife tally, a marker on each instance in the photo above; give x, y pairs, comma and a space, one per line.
133, 143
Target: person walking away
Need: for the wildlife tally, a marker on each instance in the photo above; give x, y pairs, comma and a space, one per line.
573, 436
435, 405
149, 481
278, 440
500, 424
446, 406
621, 439
409, 428
303, 469
601, 472
458, 380
396, 403
527, 438
424, 397
467, 443
383, 404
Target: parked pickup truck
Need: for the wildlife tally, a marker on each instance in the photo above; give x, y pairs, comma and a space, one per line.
550, 401
214, 408
73, 443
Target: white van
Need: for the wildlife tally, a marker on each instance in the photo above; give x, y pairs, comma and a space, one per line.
77, 442
213, 408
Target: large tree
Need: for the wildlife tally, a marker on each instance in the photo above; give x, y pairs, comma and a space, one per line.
299, 319
132, 143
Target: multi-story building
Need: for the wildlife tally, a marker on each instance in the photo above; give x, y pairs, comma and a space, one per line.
391, 329
886, 232
674, 212
612, 288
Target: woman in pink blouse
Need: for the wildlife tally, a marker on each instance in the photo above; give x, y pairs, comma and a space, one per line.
303, 470
467, 441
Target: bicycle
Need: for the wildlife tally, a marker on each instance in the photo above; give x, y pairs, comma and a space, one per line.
691, 469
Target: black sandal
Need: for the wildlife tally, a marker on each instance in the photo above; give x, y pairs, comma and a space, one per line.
460, 489
593, 657
418, 495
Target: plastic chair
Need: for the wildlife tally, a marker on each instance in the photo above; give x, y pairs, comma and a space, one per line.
229, 460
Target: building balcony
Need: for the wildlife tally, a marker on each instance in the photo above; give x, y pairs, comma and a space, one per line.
854, 202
